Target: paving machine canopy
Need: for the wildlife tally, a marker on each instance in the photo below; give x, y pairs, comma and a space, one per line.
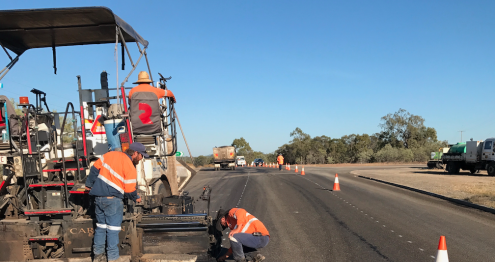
21, 30
25, 29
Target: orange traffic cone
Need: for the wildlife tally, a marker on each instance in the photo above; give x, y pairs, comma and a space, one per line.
297, 171
336, 185
302, 171
442, 255
289, 167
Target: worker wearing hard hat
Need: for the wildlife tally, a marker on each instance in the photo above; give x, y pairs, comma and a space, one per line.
144, 86
146, 113
280, 161
246, 233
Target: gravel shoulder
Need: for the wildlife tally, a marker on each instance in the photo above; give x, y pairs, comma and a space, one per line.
475, 188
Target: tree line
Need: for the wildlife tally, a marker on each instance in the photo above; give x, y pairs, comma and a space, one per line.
403, 138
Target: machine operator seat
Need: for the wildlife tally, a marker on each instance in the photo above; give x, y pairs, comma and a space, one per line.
146, 116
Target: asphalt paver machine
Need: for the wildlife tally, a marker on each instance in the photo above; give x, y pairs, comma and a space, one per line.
45, 210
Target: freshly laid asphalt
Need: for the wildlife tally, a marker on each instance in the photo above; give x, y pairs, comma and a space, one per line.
365, 221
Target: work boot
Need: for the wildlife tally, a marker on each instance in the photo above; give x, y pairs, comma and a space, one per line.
120, 259
100, 258
259, 257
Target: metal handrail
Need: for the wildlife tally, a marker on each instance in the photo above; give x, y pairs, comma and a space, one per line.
64, 170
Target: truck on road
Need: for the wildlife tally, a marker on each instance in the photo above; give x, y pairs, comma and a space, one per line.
472, 156
224, 157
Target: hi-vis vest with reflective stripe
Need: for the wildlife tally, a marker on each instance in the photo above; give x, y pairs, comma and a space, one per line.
117, 171
240, 218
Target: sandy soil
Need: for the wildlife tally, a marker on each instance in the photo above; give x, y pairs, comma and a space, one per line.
476, 188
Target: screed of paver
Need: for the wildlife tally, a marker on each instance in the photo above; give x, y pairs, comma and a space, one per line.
477, 188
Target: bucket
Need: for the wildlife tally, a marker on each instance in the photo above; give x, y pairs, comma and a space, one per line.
113, 129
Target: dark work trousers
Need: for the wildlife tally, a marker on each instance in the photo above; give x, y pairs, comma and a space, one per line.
243, 243
109, 215
279, 166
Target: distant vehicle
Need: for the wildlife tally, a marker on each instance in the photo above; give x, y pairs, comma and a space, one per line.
472, 156
240, 161
436, 158
224, 157
258, 162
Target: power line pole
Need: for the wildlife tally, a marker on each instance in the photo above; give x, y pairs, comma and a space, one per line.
461, 134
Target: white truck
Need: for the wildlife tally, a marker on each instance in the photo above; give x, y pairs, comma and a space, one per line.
240, 161
472, 156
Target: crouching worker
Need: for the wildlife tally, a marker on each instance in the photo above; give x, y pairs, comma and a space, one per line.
112, 176
247, 234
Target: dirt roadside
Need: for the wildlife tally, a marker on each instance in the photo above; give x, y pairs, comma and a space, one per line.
475, 188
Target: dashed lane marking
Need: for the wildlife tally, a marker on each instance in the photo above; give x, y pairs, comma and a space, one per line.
240, 198
345, 201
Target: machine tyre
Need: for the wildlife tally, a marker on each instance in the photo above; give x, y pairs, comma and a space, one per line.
453, 168
491, 169
473, 170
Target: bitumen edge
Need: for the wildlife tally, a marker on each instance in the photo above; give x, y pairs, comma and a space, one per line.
453, 200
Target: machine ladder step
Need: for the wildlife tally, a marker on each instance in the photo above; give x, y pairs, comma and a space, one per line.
40, 212
50, 184
60, 169
45, 238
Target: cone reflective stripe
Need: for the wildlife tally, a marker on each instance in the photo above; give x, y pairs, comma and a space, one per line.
336, 185
297, 171
302, 171
289, 167
442, 255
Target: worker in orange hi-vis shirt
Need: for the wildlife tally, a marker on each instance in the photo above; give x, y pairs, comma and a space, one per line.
144, 86
280, 160
247, 233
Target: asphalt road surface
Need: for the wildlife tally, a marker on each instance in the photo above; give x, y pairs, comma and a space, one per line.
365, 221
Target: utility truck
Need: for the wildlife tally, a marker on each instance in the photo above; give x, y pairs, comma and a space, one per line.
472, 156
224, 157
45, 210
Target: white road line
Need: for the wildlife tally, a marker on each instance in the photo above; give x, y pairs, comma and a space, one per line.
354, 207
240, 198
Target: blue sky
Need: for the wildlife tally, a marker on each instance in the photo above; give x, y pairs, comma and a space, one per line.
259, 69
